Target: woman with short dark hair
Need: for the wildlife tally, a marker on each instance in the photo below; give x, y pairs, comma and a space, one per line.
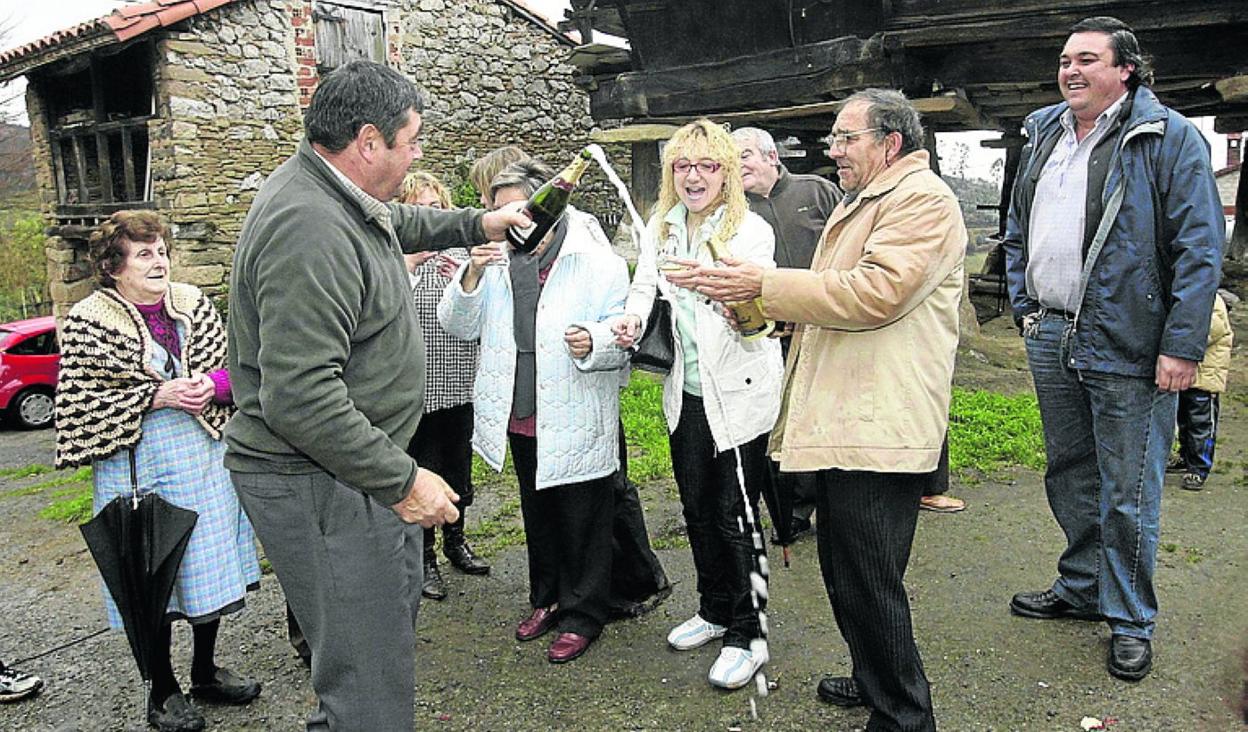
142, 397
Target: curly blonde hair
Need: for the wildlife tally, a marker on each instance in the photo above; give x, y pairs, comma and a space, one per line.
703, 139
415, 183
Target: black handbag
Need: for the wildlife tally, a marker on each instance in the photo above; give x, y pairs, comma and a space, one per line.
656, 350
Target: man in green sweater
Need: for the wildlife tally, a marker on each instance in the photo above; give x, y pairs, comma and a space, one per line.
326, 364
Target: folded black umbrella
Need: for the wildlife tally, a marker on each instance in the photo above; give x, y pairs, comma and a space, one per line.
138, 545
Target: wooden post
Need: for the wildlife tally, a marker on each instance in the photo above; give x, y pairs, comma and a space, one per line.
1013, 156
103, 159
647, 175
1237, 247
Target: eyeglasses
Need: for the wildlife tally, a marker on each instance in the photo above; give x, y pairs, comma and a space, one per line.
841, 140
705, 167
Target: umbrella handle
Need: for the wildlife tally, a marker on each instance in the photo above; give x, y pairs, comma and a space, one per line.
134, 483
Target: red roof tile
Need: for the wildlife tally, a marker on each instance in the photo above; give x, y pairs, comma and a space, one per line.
123, 24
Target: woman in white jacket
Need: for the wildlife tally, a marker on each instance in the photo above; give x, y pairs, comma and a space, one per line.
548, 385
723, 392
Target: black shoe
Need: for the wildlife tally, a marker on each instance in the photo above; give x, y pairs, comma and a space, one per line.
434, 587
178, 715
1130, 659
1193, 481
1046, 605
227, 687
455, 548
840, 690
1176, 465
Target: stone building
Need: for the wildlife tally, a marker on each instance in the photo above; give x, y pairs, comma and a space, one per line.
184, 106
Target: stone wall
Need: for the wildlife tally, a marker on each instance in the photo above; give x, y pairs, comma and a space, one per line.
227, 94
494, 78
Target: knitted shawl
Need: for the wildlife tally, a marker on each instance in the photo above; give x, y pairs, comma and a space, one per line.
106, 384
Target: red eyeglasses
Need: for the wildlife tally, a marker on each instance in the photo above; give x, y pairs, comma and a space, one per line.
705, 167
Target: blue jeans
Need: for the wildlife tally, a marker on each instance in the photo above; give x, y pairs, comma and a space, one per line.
1106, 438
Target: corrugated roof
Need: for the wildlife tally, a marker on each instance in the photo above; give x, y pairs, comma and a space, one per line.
121, 25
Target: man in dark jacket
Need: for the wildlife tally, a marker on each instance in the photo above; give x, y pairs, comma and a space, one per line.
797, 207
325, 363
1113, 248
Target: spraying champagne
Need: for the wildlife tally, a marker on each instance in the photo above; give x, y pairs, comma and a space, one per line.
548, 203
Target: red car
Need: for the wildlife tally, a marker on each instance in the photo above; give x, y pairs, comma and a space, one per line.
29, 360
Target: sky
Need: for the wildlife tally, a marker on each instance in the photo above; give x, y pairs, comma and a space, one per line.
27, 20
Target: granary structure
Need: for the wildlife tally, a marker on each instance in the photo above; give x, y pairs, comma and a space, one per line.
969, 64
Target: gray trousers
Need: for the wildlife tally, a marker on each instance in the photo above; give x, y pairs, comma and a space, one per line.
351, 571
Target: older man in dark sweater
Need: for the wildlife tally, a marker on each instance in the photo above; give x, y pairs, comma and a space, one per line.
326, 364
797, 206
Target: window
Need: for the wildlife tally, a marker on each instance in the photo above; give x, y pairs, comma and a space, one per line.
98, 107
40, 345
348, 30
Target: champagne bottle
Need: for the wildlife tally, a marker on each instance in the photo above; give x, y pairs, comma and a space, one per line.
749, 314
547, 204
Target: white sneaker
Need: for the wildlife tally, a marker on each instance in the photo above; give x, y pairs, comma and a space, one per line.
16, 685
694, 633
735, 667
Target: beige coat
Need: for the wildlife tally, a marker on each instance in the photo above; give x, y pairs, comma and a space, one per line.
868, 380
1213, 370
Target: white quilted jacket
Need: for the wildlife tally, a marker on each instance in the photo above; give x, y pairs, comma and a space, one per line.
578, 400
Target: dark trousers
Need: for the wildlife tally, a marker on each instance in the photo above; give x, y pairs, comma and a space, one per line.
443, 444
351, 571
1198, 430
940, 480
636, 574
712, 503
568, 534
865, 527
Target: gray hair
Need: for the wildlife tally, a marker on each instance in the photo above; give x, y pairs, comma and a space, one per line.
526, 175
356, 94
888, 110
766, 143
1126, 47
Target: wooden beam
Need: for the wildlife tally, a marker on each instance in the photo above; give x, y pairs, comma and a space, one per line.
1226, 124
810, 73
819, 114
1233, 89
995, 22
634, 133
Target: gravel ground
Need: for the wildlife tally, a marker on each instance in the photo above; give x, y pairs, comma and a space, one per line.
989, 670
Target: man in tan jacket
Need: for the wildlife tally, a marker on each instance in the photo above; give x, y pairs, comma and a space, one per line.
867, 385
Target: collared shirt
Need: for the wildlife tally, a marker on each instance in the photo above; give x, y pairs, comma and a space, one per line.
373, 208
1059, 213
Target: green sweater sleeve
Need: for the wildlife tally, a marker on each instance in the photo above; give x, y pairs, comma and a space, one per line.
423, 228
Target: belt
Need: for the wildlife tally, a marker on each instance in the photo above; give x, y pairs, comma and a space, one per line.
1055, 313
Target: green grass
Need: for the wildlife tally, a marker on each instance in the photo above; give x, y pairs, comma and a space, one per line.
26, 471
989, 431
72, 503
641, 408
500, 530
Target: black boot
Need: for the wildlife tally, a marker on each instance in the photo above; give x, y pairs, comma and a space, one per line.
456, 549
433, 588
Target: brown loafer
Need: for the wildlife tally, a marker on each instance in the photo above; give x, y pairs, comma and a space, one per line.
942, 504
567, 646
536, 625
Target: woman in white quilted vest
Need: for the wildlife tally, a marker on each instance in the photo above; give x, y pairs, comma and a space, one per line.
722, 395
548, 386
142, 397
